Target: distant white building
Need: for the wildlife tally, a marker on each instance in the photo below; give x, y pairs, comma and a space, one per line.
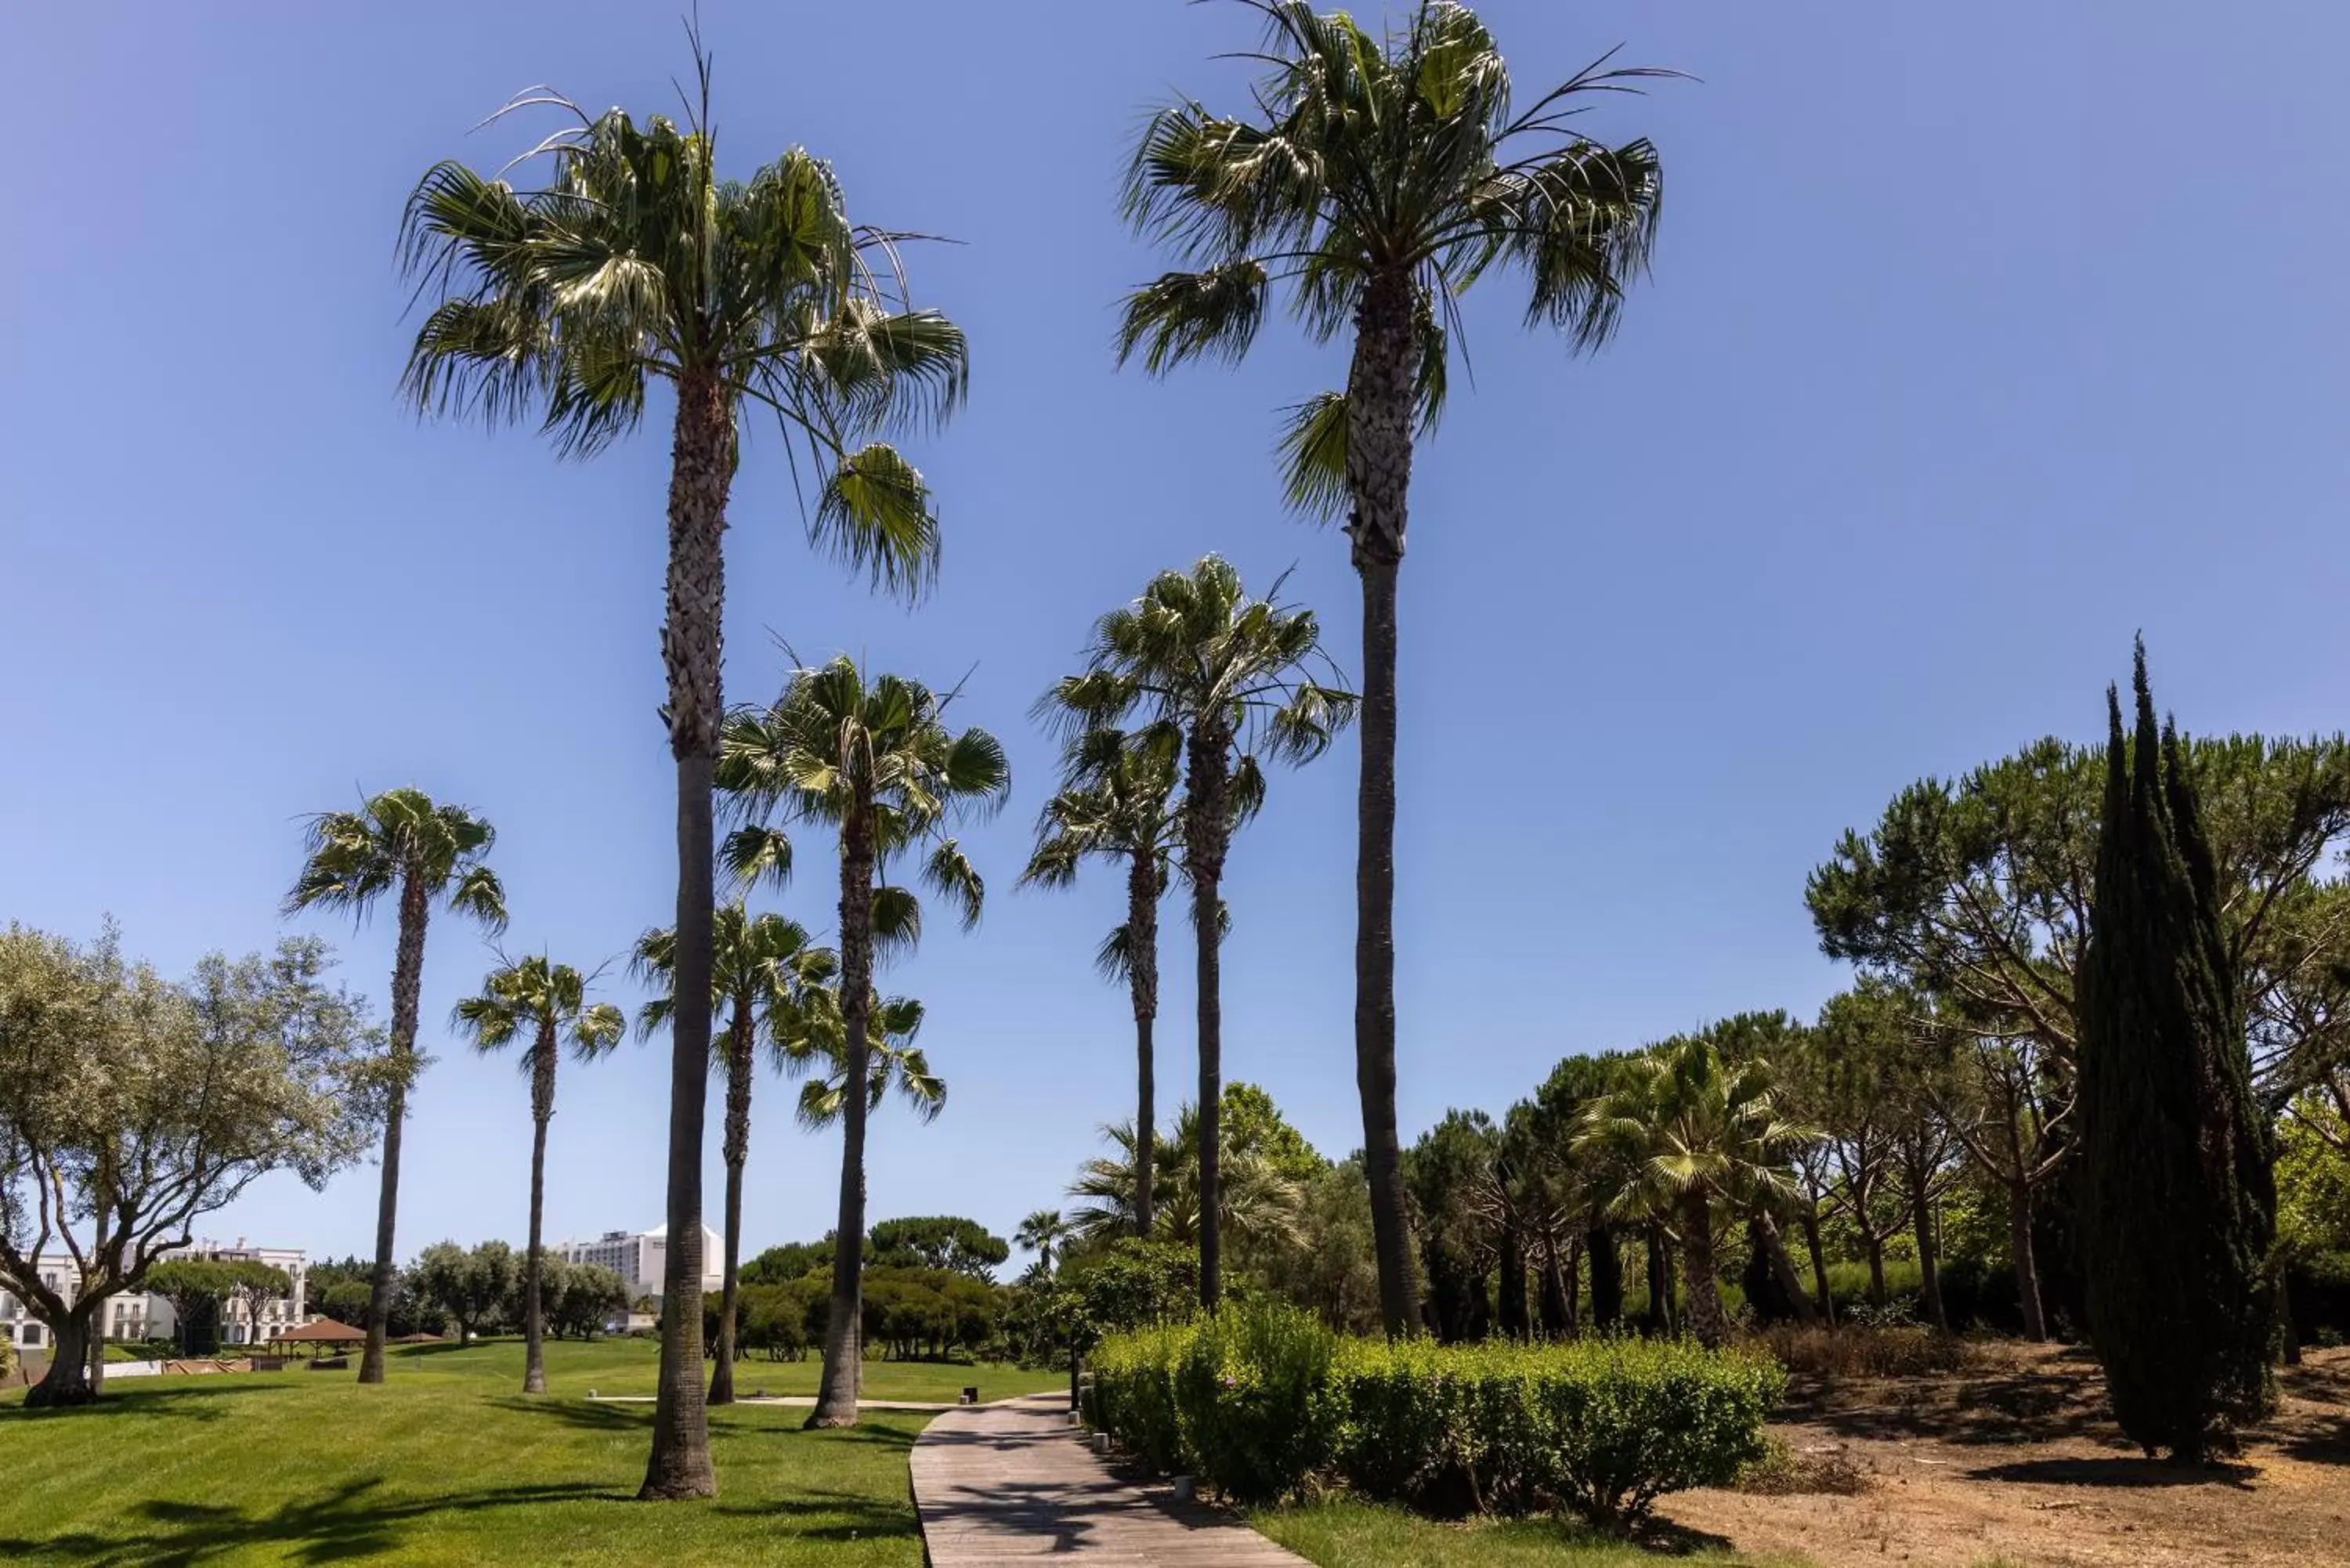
639, 1257
139, 1316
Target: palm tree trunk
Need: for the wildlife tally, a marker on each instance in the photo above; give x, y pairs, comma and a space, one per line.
1207, 830
407, 984
1511, 1304
701, 465
1783, 1268
1379, 481
1706, 1318
1142, 981
1606, 1277
737, 1149
542, 1111
835, 1399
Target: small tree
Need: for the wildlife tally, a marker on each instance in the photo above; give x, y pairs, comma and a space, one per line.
252, 1286
2178, 1202
130, 1106
474, 1289
195, 1287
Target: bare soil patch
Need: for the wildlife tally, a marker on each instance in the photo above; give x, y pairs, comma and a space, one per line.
2018, 1460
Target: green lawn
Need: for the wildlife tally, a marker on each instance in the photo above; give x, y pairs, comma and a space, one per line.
1358, 1535
447, 1463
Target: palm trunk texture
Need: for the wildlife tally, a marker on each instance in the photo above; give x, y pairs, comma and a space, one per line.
1707, 1321
737, 1149
1379, 481
702, 465
1207, 830
844, 1348
407, 982
1142, 980
541, 1110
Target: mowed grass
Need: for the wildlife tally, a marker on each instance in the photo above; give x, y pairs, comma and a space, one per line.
1360, 1535
447, 1463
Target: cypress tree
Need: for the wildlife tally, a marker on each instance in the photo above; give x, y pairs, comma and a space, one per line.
2177, 1204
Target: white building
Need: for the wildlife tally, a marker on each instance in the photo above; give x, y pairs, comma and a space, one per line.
638, 1257
139, 1316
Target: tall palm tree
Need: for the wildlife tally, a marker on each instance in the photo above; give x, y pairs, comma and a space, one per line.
1117, 803
400, 842
1230, 675
636, 263
763, 968
1691, 1134
1379, 177
547, 1003
1044, 1232
874, 758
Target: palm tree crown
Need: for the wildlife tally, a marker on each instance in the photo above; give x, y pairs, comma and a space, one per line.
1395, 162
894, 1060
522, 997
636, 263
400, 839
1196, 653
766, 959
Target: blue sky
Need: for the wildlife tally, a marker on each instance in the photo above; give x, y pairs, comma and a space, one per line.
1978, 339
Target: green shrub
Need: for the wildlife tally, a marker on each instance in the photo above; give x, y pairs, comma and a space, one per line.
1133, 1392
1252, 1390
1259, 1401
7, 1354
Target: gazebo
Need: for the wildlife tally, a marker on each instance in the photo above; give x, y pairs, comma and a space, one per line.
324, 1332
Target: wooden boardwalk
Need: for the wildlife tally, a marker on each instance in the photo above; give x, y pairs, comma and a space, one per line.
1003, 1483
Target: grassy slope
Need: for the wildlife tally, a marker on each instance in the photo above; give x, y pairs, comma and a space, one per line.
449, 1464
1355, 1535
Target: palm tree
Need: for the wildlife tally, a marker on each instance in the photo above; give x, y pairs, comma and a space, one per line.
1044, 1232
875, 759
1691, 1134
1117, 803
1227, 673
764, 967
1256, 1204
633, 264
892, 1061
398, 842
548, 1001
1379, 178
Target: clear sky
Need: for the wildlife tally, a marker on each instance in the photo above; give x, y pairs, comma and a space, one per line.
1980, 337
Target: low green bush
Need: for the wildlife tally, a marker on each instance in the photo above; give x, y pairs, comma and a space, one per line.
1252, 1390
1263, 1402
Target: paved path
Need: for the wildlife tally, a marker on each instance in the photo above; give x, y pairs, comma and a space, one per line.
1007, 1482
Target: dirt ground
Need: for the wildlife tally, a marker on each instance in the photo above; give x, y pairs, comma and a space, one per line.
2018, 1461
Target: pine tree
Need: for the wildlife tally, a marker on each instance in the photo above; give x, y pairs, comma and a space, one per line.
2176, 1202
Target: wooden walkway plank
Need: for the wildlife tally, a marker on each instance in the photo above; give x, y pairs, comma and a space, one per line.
1008, 1483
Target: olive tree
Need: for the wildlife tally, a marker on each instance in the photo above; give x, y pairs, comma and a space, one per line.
131, 1106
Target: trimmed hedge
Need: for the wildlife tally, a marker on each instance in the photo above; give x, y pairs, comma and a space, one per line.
1264, 1403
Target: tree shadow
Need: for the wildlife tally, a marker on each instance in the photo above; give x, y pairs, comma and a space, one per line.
1967, 1411
339, 1525
2324, 1441
190, 1398
2118, 1472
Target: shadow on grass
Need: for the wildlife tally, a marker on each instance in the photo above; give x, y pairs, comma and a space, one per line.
339, 1525
189, 1398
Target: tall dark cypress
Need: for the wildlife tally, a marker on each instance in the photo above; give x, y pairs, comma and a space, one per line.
2176, 1203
